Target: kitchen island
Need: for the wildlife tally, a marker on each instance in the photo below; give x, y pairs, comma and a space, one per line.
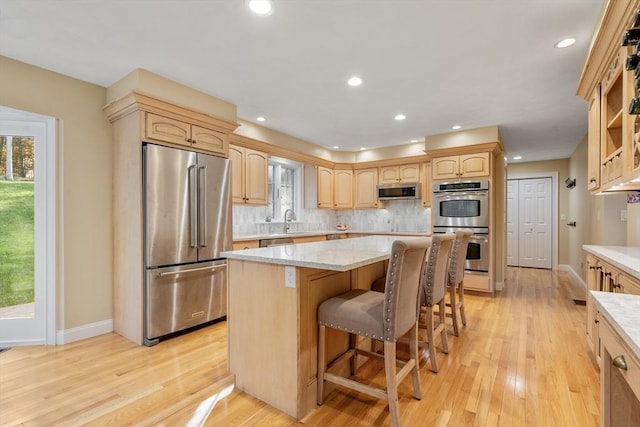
273, 296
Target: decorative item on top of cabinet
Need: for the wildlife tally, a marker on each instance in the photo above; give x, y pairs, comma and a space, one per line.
461, 166
165, 129
427, 190
249, 170
401, 173
365, 194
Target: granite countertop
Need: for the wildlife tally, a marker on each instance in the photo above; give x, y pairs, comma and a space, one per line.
336, 255
622, 312
626, 258
245, 237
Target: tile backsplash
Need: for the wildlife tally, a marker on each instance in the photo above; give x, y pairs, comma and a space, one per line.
398, 216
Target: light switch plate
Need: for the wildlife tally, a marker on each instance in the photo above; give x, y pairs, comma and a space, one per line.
289, 276
623, 215
563, 217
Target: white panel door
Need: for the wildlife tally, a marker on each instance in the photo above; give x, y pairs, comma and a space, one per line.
535, 225
512, 222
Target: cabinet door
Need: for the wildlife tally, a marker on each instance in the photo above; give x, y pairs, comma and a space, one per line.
343, 189
593, 165
389, 175
256, 165
445, 167
209, 140
409, 173
474, 165
592, 285
365, 192
236, 155
325, 187
628, 285
168, 130
427, 191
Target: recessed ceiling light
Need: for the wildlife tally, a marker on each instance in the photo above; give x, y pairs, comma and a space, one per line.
354, 81
260, 119
565, 43
456, 127
261, 7
517, 157
335, 147
400, 117
414, 140
363, 148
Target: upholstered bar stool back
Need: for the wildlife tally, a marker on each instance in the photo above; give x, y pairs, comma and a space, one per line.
434, 284
456, 278
381, 316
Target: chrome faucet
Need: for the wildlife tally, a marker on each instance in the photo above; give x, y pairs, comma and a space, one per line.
293, 218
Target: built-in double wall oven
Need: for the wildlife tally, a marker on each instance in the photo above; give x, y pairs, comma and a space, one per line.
464, 205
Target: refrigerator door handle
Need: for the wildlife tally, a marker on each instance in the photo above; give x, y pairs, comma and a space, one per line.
192, 270
202, 206
193, 211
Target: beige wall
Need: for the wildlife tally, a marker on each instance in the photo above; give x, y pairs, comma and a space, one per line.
83, 163
562, 168
579, 209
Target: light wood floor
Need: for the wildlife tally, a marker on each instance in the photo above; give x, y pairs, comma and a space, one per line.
521, 360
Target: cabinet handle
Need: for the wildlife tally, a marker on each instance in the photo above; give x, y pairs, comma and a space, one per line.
620, 363
592, 267
592, 180
607, 274
599, 268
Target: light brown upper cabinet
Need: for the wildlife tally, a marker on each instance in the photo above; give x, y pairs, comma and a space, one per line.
325, 187
427, 191
343, 188
165, 129
365, 193
401, 173
609, 89
334, 188
593, 166
462, 166
249, 170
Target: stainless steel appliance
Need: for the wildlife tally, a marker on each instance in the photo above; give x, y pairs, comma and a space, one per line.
187, 209
477, 259
461, 204
464, 204
399, 190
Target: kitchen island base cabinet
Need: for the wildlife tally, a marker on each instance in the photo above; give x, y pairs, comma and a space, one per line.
273, 329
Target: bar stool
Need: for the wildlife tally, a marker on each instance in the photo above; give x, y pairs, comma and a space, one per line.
434, 284
381, 316
456, 278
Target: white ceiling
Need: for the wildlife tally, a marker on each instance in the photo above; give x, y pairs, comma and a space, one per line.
440, 62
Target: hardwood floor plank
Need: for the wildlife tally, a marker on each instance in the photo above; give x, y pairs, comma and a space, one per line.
522, 360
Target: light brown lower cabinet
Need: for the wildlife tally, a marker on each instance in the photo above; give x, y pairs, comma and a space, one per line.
619, 380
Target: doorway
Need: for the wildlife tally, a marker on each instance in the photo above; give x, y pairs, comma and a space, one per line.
530, 223
27, 282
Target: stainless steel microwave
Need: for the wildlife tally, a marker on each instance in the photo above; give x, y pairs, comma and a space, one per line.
399, 190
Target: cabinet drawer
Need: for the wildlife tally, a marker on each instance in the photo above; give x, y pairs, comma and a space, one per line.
615, 347
167, 130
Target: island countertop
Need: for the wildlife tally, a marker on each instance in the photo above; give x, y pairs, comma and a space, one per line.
335, 255
622, 311
626, 258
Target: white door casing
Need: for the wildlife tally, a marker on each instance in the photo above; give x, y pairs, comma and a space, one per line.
512, 222
39, 329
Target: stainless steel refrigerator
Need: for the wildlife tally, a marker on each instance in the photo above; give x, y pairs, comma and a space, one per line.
187, 208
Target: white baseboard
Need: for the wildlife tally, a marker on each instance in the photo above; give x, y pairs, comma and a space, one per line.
567, 267
85, 331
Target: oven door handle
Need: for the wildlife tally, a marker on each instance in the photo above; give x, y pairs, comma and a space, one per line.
453, 195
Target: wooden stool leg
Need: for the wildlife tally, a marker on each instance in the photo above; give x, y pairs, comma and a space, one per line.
322, 363
443, 326
461, 299
392, 381
454, 310
432, 347
413, 354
